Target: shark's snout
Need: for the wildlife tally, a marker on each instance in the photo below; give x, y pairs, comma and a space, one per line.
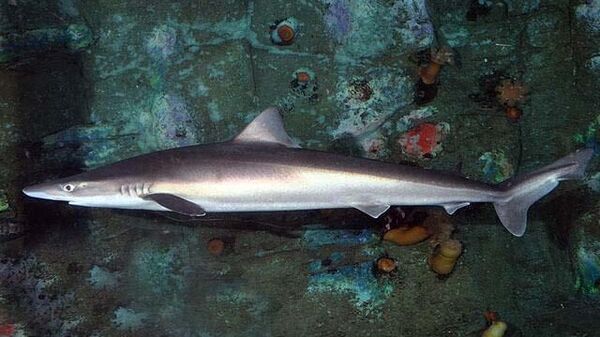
33, 192
44, 191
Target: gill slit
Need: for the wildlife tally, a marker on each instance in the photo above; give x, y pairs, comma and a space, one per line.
135, 190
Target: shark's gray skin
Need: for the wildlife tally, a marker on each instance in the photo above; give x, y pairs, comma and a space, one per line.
263, 170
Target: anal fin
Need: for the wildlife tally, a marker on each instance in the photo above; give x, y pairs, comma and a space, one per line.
176, 204
372, 210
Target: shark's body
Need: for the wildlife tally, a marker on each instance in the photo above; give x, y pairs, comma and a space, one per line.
262, 170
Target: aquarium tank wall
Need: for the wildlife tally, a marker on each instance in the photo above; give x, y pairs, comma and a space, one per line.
300, 168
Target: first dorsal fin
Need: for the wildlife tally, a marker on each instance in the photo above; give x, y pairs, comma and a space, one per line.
266, 128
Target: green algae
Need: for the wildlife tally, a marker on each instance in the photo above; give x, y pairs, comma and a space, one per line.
4, 206
158, 270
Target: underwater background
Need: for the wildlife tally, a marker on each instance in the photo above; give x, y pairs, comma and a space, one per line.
484, 89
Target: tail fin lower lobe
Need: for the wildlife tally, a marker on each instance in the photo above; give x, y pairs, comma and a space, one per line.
521, 192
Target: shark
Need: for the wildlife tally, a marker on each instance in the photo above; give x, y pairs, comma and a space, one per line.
264, 169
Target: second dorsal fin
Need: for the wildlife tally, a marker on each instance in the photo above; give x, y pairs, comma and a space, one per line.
266, 128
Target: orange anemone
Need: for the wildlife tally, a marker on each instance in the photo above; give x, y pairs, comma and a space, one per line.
406, 236
303, 76
386, 265
445, 256
286, 34
215, 246
513, 113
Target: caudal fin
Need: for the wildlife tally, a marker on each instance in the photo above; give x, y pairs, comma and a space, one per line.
521, 192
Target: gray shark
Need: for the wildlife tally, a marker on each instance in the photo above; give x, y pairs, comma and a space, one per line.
263, 169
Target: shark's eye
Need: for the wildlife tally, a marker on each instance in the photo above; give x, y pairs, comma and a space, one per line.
68, 188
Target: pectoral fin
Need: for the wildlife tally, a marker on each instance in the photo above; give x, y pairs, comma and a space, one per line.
373, 210
176, 204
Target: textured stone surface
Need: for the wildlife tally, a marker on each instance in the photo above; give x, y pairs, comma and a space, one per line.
161, 74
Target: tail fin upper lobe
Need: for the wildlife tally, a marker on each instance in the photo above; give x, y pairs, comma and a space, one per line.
521, 192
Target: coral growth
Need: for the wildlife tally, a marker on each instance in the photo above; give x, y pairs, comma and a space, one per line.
360, 90
426, 87
304, 84
172, 121
496, 166
386, 265
591, 136
215, 246
29, 280
337, 20
513, 113
496, 329
374, 145
161, 42
416, 29
354, 24
439, 57
368, 293
413, 118
100, 278
590, 14
405, 236
368, 101
588, 265
511, 92
128, 320
445, 256
284, 32
424, 141
157, 270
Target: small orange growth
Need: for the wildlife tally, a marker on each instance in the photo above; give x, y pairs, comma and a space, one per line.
303, 76
286, 34
513, 113
215, 246
490, 316
406, 236
386, 265
429, 73
511, 92
445, 256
